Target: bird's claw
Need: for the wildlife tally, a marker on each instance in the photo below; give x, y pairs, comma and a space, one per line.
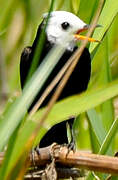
37, 150
71, 146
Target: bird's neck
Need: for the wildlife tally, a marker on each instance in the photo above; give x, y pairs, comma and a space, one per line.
70, 45
51, 41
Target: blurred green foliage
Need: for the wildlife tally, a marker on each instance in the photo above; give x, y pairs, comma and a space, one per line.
19, 21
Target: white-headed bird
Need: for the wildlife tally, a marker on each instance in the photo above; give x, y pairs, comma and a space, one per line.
61, 24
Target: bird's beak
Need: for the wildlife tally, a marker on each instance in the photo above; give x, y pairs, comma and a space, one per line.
81, 37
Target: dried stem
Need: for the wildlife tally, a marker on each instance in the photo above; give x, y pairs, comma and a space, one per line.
78, 159
75, 59
51, 86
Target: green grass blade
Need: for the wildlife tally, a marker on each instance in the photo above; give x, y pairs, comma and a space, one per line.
79, 103
75, 6
104, 78
62, 110
95, 144
18, 147
87, 9
39, 46
18, 109
8, 154
66, 5
81, 132
106, 109
6, 13
109, 137
105, 20
97, 125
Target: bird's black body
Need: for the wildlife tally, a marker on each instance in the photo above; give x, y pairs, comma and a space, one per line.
77, 83
57, 133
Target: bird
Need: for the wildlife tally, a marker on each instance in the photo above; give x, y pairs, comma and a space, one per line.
61, 24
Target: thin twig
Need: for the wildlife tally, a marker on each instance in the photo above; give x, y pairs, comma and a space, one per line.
75, 59
51, 86
78, 159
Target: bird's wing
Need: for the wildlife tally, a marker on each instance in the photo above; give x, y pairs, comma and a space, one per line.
25, 63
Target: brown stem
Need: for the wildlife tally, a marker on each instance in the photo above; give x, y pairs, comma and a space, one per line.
78, 159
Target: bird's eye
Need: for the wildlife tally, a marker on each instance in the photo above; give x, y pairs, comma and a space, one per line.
65, 25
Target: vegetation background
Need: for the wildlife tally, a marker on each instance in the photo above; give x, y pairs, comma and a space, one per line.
96, 128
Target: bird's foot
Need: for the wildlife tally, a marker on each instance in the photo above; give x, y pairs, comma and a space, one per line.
71, 146
37, 150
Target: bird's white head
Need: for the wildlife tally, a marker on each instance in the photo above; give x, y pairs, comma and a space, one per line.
62, 25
